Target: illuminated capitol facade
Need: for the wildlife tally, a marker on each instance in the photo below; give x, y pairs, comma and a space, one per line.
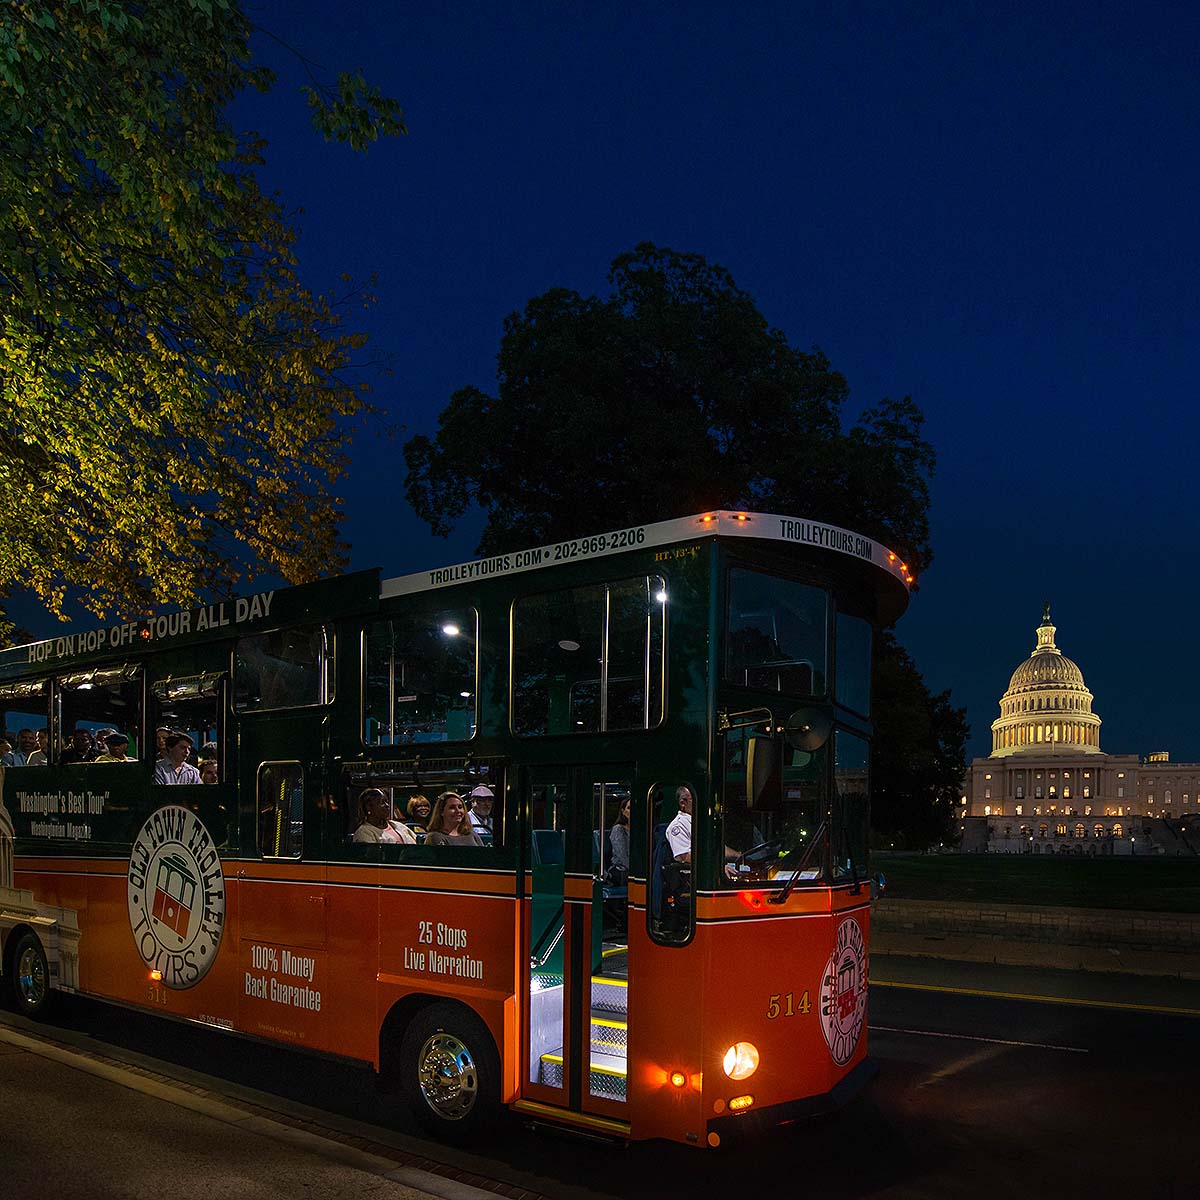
1048, 788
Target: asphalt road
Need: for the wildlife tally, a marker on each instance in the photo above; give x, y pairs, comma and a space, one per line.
977, 1096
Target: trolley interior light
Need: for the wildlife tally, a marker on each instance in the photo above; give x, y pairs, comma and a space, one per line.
741, 1061
661, 596
450, 629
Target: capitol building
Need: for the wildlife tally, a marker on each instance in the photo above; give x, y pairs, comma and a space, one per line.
1048, 788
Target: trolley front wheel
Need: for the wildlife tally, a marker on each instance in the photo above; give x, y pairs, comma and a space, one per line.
450, 1072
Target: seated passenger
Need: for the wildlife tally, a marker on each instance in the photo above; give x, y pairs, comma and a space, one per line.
8, 756
209, 770
482, 799
175, 768
376, 824
80, 750
117, 749
40, 757
417, 810
450, 825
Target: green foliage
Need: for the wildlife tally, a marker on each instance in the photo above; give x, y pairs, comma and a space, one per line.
918, 757
668, 396
672, 395
176, 405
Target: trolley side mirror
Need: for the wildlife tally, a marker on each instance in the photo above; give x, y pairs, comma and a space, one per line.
764, 775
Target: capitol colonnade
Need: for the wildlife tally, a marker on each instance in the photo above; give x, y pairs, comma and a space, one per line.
1048, 787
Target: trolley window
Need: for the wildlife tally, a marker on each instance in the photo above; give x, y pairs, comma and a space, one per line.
589, 659
419, 678
280, 810
25, 712
96, 703
852, 653
287, 668
776, 634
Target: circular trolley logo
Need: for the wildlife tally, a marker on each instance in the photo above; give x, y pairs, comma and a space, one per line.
176, 895
844, 992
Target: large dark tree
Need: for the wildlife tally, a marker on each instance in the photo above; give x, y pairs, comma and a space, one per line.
917, 758
668, 396
671, 395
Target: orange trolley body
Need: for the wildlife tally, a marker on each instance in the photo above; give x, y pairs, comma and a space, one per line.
570, 960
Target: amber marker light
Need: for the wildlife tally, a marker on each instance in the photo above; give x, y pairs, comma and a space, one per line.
741, 1061
156, 976
678, 1079
740, 1103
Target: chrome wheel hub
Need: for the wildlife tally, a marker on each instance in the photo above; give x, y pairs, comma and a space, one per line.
448, 1076
31, 977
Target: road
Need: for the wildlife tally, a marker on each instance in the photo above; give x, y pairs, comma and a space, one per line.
980, 1096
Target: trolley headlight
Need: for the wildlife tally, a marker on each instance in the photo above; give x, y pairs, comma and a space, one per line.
741, 1060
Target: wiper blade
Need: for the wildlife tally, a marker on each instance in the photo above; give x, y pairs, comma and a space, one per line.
781, 896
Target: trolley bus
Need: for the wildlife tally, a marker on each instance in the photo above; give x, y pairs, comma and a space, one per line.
576, 958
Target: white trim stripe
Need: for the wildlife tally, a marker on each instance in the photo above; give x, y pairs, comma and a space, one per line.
768, 526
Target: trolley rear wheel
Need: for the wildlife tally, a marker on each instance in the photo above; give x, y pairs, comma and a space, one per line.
28, 975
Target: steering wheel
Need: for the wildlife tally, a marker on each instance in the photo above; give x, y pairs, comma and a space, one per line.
760, 853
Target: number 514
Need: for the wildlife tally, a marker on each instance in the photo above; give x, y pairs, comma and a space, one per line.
789, 1006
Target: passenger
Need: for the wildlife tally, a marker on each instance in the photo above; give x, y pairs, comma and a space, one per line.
40, 757
417, 810
175, 768
160, 742
81, 749
618, 841
26, 745
117, 749
482, 798
376, 824
8, 756
209, 770
450, 825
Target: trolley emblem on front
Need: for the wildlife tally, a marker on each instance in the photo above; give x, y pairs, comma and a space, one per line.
844, 992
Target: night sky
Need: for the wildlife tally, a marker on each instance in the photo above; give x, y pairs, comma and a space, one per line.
989, 207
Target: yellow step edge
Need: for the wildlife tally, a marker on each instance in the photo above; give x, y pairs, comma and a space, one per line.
610, 982
596, 1070
607, 1024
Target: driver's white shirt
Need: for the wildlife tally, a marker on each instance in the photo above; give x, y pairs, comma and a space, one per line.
679, 834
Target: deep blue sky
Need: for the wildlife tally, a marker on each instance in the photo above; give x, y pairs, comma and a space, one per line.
989, 207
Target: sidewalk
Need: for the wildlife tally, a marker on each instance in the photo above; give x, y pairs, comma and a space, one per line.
1109, 960
1155, 980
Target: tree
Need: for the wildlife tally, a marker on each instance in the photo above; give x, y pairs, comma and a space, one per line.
176, 405
918, 758
672, 395
668, 396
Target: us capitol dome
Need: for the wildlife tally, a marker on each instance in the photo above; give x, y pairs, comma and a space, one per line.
1047, 708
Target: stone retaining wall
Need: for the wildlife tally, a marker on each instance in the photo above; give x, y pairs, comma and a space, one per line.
1028, 923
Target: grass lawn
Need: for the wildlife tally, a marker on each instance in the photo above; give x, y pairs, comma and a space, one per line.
1144, 884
